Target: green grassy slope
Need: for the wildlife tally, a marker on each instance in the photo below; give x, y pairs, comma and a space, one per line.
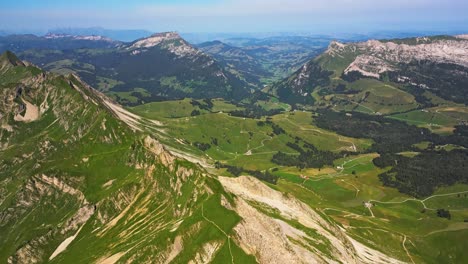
78, 173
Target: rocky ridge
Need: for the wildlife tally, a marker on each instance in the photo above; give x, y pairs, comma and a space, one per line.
376, 57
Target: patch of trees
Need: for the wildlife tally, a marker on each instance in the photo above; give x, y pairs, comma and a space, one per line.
389, 135
195, 113
237, 171
420, 175
444, 213
459, 137
448, 81
352, 76
277, 130
342, 89
202, 146
419, 96
205, 104
309, 157
140, 98
255, 112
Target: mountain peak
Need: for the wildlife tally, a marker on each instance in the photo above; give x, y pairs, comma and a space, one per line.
335, 47
9, 58
167, 35
155, 40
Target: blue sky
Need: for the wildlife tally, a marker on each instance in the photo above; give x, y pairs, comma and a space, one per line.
315, 16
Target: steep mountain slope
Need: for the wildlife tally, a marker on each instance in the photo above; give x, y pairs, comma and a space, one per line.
162, 66
417, 69
76, 179
83, 180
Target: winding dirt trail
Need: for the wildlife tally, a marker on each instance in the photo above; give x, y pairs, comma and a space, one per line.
424, 200
222, 231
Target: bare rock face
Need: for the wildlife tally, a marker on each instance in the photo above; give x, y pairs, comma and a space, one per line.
155, 40
274, 240
167, 40
376, 57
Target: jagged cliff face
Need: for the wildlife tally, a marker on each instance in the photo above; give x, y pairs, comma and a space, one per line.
82, 181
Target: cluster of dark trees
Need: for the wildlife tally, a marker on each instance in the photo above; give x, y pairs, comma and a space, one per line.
236, 171
255, 112
352, 76
195, 113
343, 89
140, 98
444, 213
202, 146
309, 157
277, 130
420, 175
205, 104
446, 80
458, 137
389, 135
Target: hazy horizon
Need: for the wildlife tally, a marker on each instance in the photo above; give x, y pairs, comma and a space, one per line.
241, 16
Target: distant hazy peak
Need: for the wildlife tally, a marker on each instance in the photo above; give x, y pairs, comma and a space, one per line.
77, 37
170, 41
463, 36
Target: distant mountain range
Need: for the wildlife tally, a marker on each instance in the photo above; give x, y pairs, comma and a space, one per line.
20, 43
125, 35
159, 67
164, 66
